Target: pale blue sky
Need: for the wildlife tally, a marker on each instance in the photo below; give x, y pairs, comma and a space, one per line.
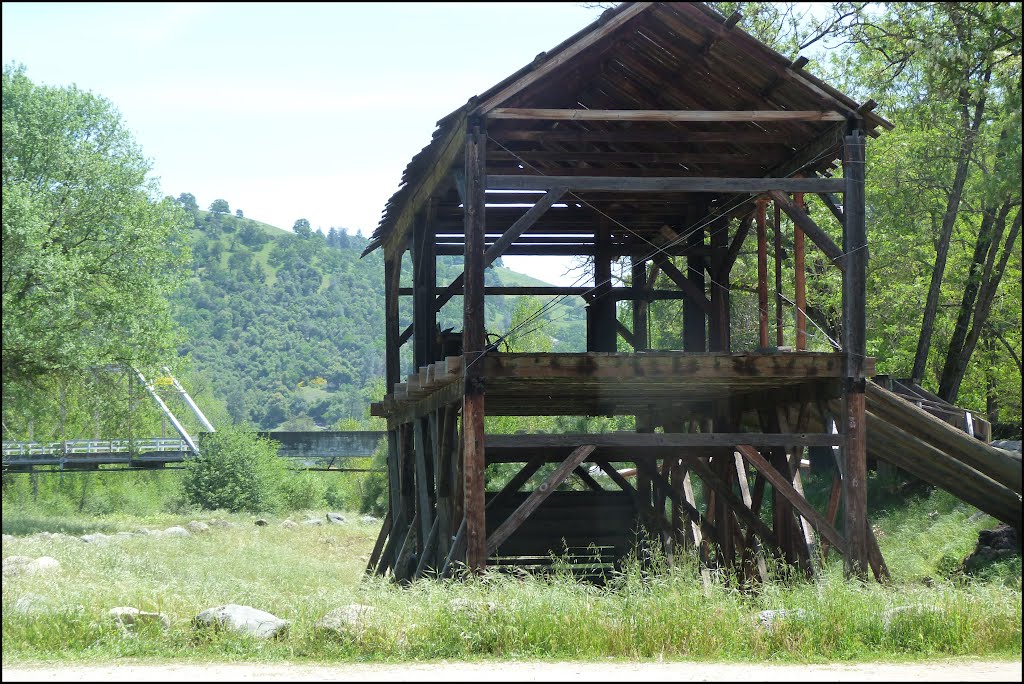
287, 111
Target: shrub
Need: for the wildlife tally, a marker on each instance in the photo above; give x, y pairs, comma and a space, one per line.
303, 491
237, 471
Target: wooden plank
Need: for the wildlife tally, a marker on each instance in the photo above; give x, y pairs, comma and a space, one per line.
809, 227
401, 569
780, 339
587, 479
473, 344
517, 481
456, 553
994, 463
780, 483
427, 551
663, 184
524, 223
424, 478
723, 490
534, 114
659, 439
537, 497
762, 275
378, 545
741, 478
446, 155
737, 242
855, 345
800, 279
586, 39
675, 136
833, 205
693, 293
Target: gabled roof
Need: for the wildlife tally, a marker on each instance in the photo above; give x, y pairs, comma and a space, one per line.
651, 56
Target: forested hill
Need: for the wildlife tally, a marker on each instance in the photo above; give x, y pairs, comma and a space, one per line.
286, 329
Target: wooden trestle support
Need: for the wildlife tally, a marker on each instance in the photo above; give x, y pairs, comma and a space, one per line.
740, 423
665, 135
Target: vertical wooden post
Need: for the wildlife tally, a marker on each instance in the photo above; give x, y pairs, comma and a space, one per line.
392, 269
473, 342
762, 274
854, 295
640, 305
800, 279
695, 321
719, 337
603, 335
780, 337
424, 279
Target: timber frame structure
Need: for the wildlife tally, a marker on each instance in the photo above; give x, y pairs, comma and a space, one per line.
661, 130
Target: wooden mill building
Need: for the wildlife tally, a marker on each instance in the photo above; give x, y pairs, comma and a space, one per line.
664, 134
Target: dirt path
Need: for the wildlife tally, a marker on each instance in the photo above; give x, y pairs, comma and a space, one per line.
530, 671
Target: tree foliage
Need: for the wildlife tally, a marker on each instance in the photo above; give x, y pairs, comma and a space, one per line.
238, 471
90, 252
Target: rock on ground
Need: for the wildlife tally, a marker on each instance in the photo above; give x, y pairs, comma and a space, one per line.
993, 545
243, 620
14, 566
345, 620
336, 518
196, 527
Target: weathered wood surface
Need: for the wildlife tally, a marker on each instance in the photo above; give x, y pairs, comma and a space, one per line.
997, 464
536, 498
663, 184
660, 115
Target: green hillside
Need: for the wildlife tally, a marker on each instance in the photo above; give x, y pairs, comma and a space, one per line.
286, 329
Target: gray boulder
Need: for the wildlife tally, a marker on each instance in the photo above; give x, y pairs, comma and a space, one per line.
176, 531
289, 524
336, 518
261, 522
129, 618
369, 520
196, 527
313, 521
242, 620
15, 566
95, 538
345, 621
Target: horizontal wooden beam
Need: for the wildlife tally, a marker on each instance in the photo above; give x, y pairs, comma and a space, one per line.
616, 293
659, 439
661, 115
664, 183
674, 136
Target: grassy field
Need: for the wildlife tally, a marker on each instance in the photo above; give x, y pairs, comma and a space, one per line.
301, 573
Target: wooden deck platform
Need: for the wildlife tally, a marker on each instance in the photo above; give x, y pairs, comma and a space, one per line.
605, 383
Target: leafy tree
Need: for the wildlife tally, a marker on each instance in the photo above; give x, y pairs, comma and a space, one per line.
90, 252
302, 228
239, 214
237, 471
187, 201
220, 206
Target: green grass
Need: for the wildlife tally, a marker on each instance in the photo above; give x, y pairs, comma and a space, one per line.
301, 574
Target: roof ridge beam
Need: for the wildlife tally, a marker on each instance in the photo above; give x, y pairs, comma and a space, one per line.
662, 115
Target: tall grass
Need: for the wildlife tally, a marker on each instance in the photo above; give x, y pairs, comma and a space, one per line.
301, 574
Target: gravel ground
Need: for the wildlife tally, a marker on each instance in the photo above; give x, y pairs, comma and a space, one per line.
528, 671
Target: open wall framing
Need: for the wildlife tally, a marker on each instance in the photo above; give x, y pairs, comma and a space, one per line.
663, 134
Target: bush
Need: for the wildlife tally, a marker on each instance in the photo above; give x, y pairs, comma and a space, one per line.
237, 471
303, 491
